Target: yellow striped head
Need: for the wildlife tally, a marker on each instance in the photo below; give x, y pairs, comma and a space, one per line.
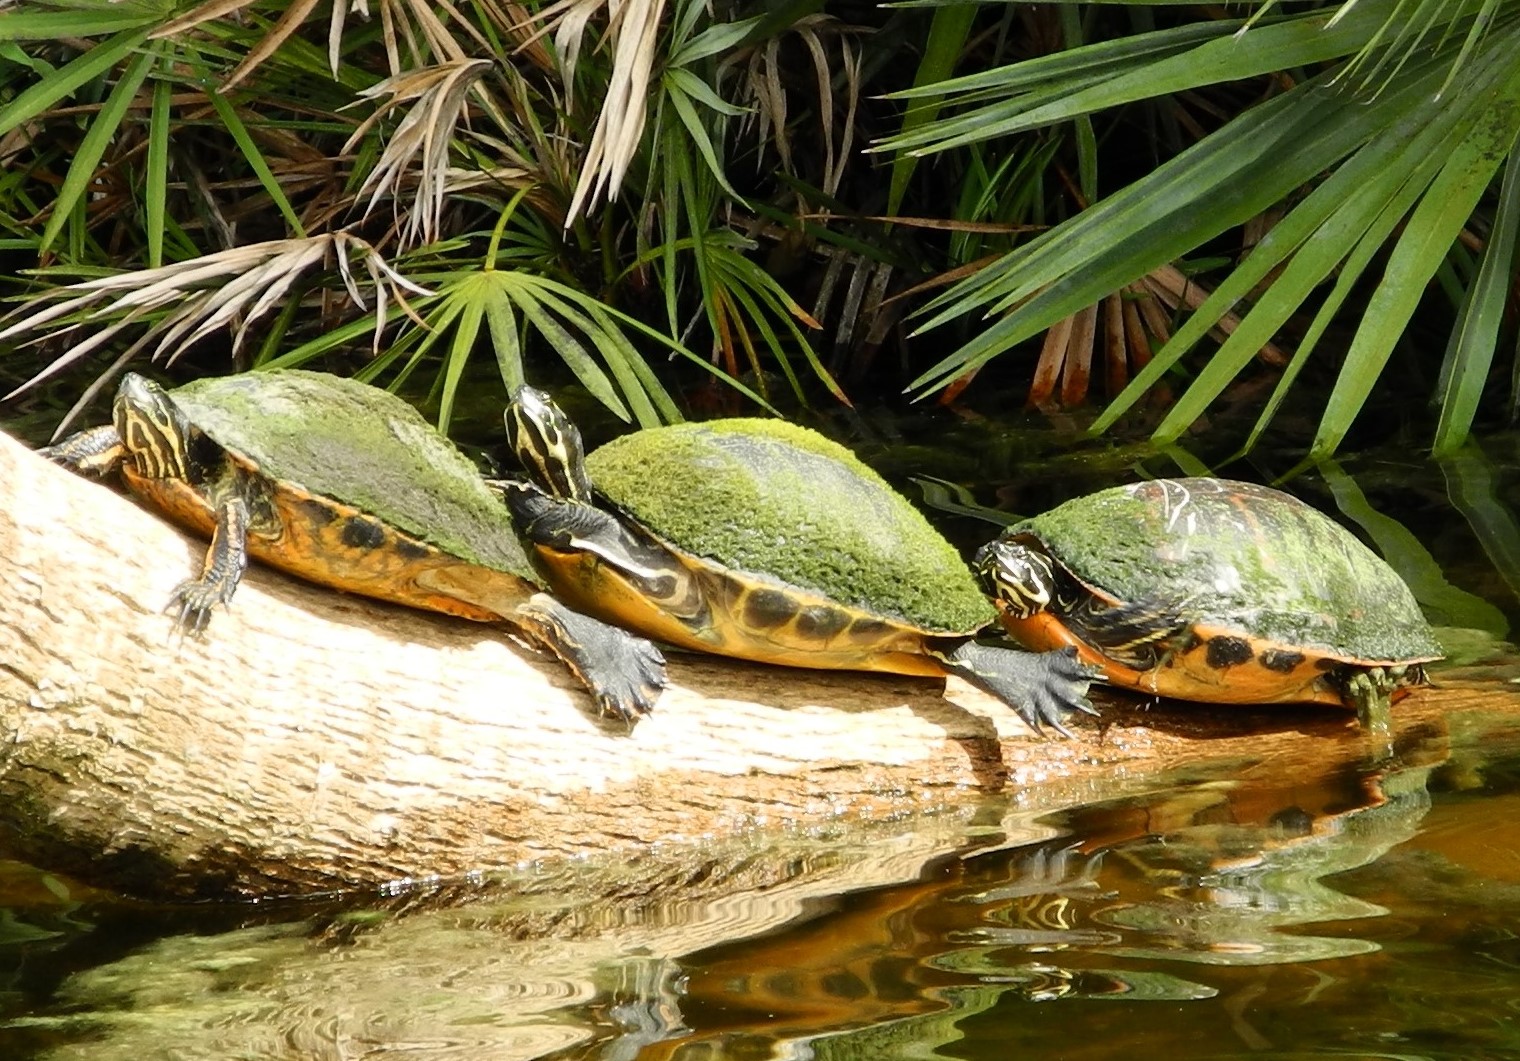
548, 445
151, 427
1021, 578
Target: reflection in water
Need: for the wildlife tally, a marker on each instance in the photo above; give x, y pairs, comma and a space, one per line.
1212, 874
1365, 912
1224, 894
644, 1007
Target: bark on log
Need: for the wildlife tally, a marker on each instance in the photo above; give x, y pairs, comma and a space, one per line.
313, 740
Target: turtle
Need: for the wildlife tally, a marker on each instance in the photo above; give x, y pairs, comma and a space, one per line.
768, 542
345, 485
1212, 590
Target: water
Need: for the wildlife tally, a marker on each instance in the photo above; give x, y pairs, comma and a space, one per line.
1328, 899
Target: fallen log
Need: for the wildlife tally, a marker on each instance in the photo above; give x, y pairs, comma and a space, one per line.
312, 740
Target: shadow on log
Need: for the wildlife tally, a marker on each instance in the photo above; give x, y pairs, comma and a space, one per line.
315, 741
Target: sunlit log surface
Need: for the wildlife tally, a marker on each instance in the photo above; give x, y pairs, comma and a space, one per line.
313, 740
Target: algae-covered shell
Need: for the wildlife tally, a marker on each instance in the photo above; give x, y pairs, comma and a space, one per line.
362, 446
780, 504
1236, 556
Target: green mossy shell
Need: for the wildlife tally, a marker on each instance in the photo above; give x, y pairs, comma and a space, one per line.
363, 446
1240, 556
780, 503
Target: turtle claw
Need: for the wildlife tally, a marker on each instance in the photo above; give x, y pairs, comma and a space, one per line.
1068, 679
1370, 690
194, 600
1062, 687
633, 680
1041, 686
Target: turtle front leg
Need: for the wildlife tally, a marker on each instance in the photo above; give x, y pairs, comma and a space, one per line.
92, 452
222, 570
624, 673
1040, 686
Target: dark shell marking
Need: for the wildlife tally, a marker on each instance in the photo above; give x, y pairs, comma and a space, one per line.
360, 532
1227, 651
1281, 661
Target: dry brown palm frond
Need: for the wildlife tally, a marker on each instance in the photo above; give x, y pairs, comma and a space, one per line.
632, 28
211, 9
430, 40
438, 96
456, 180
833, 167
514, 21
417, 23
189, 300
764, 86
1178, 290
852, 301
278, 34
290, 21
1134, 321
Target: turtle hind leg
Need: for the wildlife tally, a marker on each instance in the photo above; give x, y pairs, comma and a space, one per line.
624, 673
1040, 686
226, 560
92, 452
1370, 690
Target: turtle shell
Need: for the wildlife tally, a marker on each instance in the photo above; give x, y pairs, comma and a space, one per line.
778, 505
1260, 578
343, 448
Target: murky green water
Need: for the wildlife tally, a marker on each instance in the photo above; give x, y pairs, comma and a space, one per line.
1364, 910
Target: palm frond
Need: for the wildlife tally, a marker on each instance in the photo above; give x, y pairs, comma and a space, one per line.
184, 302
1411, 153
437, 96
633, 30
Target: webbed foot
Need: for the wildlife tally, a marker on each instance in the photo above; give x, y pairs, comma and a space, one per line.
1041, 686
624, 673
1370, 690
92, 452
226, 560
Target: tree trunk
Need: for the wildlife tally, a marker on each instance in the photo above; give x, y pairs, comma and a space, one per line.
312, 740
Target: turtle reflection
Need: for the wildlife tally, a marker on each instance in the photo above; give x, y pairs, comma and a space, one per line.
1212, 873
1223, 891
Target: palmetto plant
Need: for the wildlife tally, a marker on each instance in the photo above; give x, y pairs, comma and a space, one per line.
612, 182
221, 156
1386, 137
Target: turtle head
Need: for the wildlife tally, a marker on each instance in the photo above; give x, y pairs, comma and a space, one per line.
153, 430
548, 445
1020, 578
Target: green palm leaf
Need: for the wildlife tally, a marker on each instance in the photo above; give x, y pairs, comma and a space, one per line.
1400, 135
